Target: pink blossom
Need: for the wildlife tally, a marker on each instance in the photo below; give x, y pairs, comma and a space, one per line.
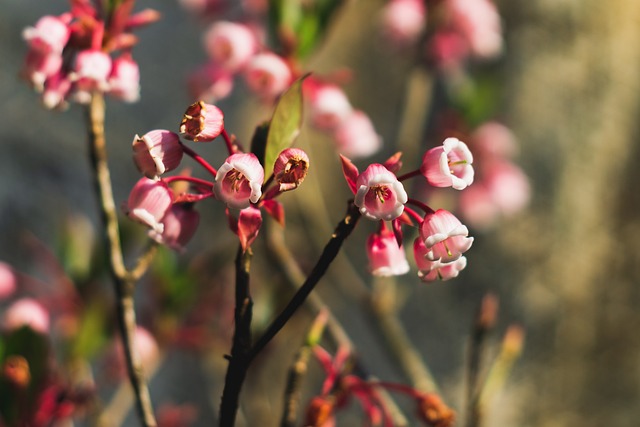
202, 122
124, 80
291, 168
180, 223
448, 49
210, 82
403, 20
329, 107
148, 202
91, 72
379, 194
49, 35
246, 226
509, 186
479, 22
429, 271
239, 180
157, 152
38, 67
268, 75
386, 258
26, 312
493, 139
230, 45
8, 281
448, 165
56, 89
445, 237
476, 206
356, 136
145, 350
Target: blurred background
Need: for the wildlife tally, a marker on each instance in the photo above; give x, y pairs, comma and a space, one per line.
565, 268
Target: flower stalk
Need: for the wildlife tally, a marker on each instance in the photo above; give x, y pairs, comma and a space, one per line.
124, 280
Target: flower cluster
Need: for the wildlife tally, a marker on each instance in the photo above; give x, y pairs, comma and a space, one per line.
462, 28
380, 196
69, 55
166, 204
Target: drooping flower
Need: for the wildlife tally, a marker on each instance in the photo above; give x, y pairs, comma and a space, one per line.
179, 225
386, 258
202, 122
239, 180
448, 165
49, 35
210, 82
268, 75
231, 45
329, 107
379, 194
157, 152
148, 202
445, 237
429, 271
38, 67
356, 137
26, 312
479, 23
291, 168
124, 79
90, 72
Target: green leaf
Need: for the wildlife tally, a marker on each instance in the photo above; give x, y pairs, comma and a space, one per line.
285, 124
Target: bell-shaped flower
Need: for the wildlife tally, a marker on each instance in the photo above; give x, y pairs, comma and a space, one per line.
448, 165
56, 90
268, 75
329, 107
386, 258
148, 203
202, 122
429, 271
291, 168
356, 137
445, 237
179, 225
38, 67
124, 80
49, 35
230, 45
403, 20
210, 82
379, 194
239, 180
90, 72
157, 152
26, 312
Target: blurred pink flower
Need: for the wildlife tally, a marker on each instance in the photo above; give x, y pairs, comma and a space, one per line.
26, 312
267, 75
231, 45
124, 79
403, 20
49, 35
8, 281
356, 136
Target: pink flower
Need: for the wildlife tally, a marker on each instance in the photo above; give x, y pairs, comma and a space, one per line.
493, 139
508, 185
291, 168
230, 45
476, 206
445, 237
210, 82
386, 258
479, 22
328, 106
145, 348
379, 194
448, 165
38, 67
180, 223
124, 80
157, 152
356, 136
202, 122
403, 20
430, 271
239, 180
91, 72
56, 89
246, 226
148, 203
268, 75
49, 35
26, 312
8, 281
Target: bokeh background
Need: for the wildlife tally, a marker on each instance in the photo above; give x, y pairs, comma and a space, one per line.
566, 268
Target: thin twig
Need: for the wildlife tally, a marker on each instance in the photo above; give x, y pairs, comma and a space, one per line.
124, 281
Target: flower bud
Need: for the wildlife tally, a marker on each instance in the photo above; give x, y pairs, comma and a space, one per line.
433, 411
320, 411
202, 122
291, 168
157, 152
16, 371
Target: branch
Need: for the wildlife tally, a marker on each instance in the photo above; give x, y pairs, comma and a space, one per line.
124, 281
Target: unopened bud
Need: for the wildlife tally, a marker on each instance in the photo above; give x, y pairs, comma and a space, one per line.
513, 340
488, 312
16, 371
433, 411
320, 411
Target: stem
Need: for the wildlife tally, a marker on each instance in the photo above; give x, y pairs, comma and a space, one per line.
227, 140
195, 156
410, 175
124, 281
342, 231
239, 360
